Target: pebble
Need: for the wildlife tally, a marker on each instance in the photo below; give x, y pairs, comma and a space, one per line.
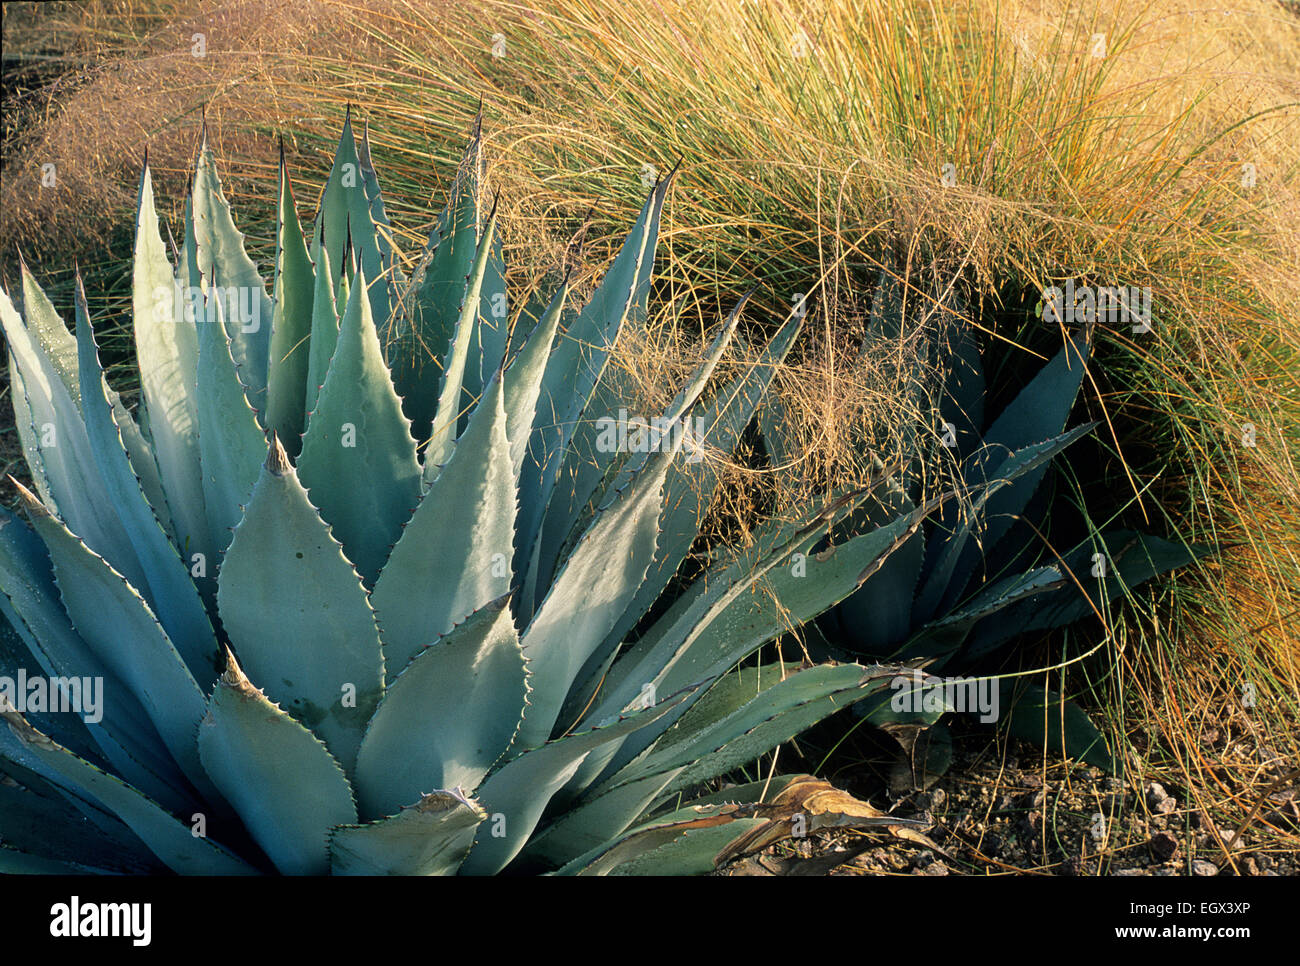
1203, 867
936, 868
1163, 845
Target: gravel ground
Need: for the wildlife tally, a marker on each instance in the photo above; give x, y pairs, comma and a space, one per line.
993, 815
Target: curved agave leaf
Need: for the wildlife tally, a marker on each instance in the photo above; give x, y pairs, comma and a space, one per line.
421, 737
446, 417
595, 822
592, 590
454, 554
291, 323
358, 457
122, 631
231, 444
521, 788
437, 296
1132, 558
346, 218
286, 787
431, 837
167, 349
297, 614
46, 356
219, 254
712, 738
324, 331
126, 740
959, 555
572, 373
523, 379
169, 839
170, 591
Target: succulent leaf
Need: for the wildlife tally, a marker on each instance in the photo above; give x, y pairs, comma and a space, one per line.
453, 556
358, 458
420, 736
285, 786
431, 837
297, 614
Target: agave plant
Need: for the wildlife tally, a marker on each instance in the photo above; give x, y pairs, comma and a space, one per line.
363, 588
973, 578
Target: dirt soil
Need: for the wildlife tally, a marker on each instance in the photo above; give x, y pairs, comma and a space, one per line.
1003, 810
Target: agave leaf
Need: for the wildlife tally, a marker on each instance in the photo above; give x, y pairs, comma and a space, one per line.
167, 350
712, 739
346, 218
437, 296
590, 593
488, 344
726, 624
573, 371
46, 355
25, 423
231, 443
378, 216
17, 862
942, 637
964, 390
32, 605
1055, 724
1038, 413
286, 787
421, 736
220, 255
689, 486
431, 837
523, 380
589, 473
521, 788
121, 630
446, 417
291, 323
169, 839
687, 840
959, 555
171, 593
1132, 558
593, 823
297, 614
454, 554
26, 817
324, 331
878, 615
358, 457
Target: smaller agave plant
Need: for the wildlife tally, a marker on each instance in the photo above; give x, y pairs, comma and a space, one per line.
960, 588
357, 611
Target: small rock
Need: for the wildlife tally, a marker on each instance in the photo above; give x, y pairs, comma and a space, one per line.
1249, 866
938, 797
1163, 845
1156, 794
1131, 872
1167, 806
1202, 867
936, 868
